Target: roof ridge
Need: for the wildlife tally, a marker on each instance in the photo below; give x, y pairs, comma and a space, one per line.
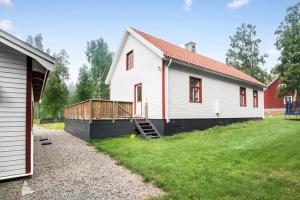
192, 57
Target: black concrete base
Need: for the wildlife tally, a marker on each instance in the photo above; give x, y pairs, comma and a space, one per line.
99, 129
184, 125
102, 129
78, 128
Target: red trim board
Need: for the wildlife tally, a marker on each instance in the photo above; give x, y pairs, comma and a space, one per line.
28, 115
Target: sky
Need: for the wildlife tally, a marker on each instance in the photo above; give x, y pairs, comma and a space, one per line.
69, 25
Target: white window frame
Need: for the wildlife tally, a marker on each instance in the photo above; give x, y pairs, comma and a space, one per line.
285, 98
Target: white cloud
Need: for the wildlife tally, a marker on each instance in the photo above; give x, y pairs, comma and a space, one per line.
273, 52
187, 5
5, 25
235, 4
6, 3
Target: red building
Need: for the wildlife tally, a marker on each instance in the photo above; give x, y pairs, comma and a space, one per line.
272, 102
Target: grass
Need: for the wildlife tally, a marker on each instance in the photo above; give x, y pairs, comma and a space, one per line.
251, 160
53, 126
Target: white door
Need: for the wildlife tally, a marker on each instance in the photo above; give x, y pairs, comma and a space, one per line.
138, 99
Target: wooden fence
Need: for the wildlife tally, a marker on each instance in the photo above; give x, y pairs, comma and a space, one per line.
99, 109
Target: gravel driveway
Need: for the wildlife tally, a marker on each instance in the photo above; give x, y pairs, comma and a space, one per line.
70, 169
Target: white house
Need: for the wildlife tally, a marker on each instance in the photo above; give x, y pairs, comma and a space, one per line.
178, 89
23, 73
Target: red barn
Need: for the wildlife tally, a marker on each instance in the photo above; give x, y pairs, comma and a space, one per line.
272, 102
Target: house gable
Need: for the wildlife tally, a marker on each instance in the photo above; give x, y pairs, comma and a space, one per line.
129, 32
147, 69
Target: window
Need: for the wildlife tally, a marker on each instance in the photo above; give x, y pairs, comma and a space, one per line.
243, 96
288, 99
195, 90
255, 99
129, 60
281, 86
139, 93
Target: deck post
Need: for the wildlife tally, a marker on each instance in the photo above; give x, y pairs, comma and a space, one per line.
82, 111
117, 111
91, 111
113, 112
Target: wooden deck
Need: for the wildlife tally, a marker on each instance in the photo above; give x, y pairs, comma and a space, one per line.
99, 109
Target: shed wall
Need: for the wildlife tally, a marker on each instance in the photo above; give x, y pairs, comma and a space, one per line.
12, 112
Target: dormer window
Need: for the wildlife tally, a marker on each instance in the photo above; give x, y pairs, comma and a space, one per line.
129, 60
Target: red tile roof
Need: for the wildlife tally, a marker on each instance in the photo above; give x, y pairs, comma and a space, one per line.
181, 54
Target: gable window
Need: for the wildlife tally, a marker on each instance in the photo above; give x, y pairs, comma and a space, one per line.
195, 90
281, 86
129, 60
243, 96
255, 99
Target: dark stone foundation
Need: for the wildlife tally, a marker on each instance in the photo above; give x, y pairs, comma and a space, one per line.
103, 129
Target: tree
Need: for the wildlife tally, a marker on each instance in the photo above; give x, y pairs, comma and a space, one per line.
56, 93
36, 41
288, 42
244, 54
100, 59
84, 87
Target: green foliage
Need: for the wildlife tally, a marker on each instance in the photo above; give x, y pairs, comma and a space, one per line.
288, 42
56, 92
252, 160
36, 41
84, 87
244, 55
52, 126
100, 58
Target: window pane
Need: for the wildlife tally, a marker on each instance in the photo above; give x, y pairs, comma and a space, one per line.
195, 82
139, 93
191, 94
196, 94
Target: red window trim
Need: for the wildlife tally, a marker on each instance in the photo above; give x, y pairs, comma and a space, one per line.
244, 96
255, 98
127, 60
200, 90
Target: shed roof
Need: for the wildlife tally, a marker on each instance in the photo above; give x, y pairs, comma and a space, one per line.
44, 59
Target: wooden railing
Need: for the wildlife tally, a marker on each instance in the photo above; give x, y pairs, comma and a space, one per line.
99, 109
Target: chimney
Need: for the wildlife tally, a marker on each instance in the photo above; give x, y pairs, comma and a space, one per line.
191, 46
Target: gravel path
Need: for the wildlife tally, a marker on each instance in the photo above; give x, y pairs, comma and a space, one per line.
70, 169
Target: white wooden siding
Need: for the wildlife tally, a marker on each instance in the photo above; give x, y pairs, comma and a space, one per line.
146, 70
12, 112
217, 92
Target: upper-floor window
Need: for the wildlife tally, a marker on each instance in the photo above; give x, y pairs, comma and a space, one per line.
255, 99
129, 60
243, 96
195, 90
283, 85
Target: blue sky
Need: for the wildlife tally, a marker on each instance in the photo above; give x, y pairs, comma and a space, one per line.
68, 25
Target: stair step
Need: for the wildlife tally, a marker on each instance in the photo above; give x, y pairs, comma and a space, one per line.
148, 129
151, 133
144, 123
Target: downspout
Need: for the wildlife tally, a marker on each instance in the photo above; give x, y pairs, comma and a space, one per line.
167, 90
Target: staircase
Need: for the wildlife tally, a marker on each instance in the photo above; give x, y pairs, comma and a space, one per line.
146, 128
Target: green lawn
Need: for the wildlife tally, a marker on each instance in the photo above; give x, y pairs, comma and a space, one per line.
54, 126
252, 160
